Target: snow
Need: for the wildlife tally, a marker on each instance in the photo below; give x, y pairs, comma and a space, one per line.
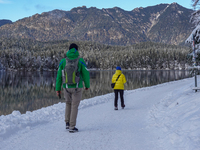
161, 117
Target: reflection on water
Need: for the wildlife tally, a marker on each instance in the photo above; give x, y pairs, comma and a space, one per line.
34, 90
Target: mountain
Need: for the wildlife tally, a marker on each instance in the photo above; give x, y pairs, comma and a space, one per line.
165, 23
4, 21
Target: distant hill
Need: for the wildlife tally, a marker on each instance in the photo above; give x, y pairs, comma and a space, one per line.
4, 21
164, 23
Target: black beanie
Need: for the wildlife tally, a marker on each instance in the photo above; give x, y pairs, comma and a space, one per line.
73, 45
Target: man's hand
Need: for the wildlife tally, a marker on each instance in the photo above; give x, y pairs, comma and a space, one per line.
58, 93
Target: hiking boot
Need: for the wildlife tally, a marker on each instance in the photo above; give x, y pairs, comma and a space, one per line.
116, 108
123, 106
73, 130
67, 125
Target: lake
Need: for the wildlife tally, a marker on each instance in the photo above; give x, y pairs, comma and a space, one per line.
28, 91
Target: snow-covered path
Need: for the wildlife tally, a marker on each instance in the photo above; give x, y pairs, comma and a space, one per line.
142, 125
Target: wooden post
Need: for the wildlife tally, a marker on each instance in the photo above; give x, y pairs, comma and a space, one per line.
194, 60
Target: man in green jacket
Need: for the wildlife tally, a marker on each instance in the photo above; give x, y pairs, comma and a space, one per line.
72, 93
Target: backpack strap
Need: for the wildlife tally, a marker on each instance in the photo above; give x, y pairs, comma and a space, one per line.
77, 73
117, 78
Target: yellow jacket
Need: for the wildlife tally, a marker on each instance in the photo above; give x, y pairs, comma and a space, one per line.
119, 85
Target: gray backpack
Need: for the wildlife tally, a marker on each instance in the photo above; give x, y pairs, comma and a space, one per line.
70, 74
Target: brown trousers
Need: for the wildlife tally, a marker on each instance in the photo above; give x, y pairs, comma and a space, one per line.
73, 97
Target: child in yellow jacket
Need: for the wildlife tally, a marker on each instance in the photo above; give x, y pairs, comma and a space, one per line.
119, 87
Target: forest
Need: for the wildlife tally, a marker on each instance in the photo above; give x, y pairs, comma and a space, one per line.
31, 55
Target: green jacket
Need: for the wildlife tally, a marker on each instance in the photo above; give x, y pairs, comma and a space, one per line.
84, 73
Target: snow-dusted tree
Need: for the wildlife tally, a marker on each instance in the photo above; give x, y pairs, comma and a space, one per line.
195, 20
194, 37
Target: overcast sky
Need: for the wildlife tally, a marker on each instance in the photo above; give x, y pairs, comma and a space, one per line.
18, 9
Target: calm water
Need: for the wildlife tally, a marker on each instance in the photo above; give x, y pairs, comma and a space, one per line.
34, 90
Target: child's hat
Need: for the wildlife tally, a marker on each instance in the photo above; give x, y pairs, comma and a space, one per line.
118, 68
